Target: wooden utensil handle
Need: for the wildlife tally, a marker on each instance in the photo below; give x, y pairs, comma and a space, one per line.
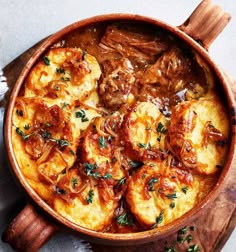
28, 231
205, 23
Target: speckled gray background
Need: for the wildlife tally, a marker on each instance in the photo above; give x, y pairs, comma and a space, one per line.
25, 22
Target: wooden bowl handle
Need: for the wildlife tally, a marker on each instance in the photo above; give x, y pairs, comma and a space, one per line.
205, 23
28, 231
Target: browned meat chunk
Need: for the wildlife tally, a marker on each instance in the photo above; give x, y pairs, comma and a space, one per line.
115, 88
142, 46
176, 74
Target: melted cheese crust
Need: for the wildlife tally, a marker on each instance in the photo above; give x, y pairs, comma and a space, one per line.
158, 190
198, 133
84, 161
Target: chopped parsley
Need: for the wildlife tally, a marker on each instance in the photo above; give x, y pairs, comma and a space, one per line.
182, 230
184, 189
71, 152
193, 248
62, 142
151, 183
46, 134
172, 204
46, 60
47, 124
48, 137
22, 134
65, 79
160, 218
144, 176
60, 70
135, 164
102, 142
121, 181
189, 238
141, 145
180, 239
74, 182
184, 236
59, 190
161, 128
172, 249
19, 112
27, 127
89, 198
81, 114
192, 228
64, 105
106, 176
90, 170
171, 195
124, 219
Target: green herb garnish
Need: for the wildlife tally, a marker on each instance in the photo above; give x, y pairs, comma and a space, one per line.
46, 60
172, 249
89, 168
172, 204
141, 145
135, 164
189, 238
151, 183
81, 114
47, 124
60, 190
180, 239
161, 128
193, 248
60, 70
102, 142
19, 112
65, 79
89, 199
22, 134
64, 105
184, 189
60, 142
27, 127
106, 176
121, 181
71, 152
171, 195
74, 182
124, 219
182, 230
46, 134
160, 218
144, 176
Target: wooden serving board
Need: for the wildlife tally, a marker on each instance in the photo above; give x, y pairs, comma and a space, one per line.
211, 229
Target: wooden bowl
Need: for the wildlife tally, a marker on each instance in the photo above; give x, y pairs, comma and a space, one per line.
38, 221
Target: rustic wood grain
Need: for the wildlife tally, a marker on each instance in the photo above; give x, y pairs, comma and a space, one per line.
211, 229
